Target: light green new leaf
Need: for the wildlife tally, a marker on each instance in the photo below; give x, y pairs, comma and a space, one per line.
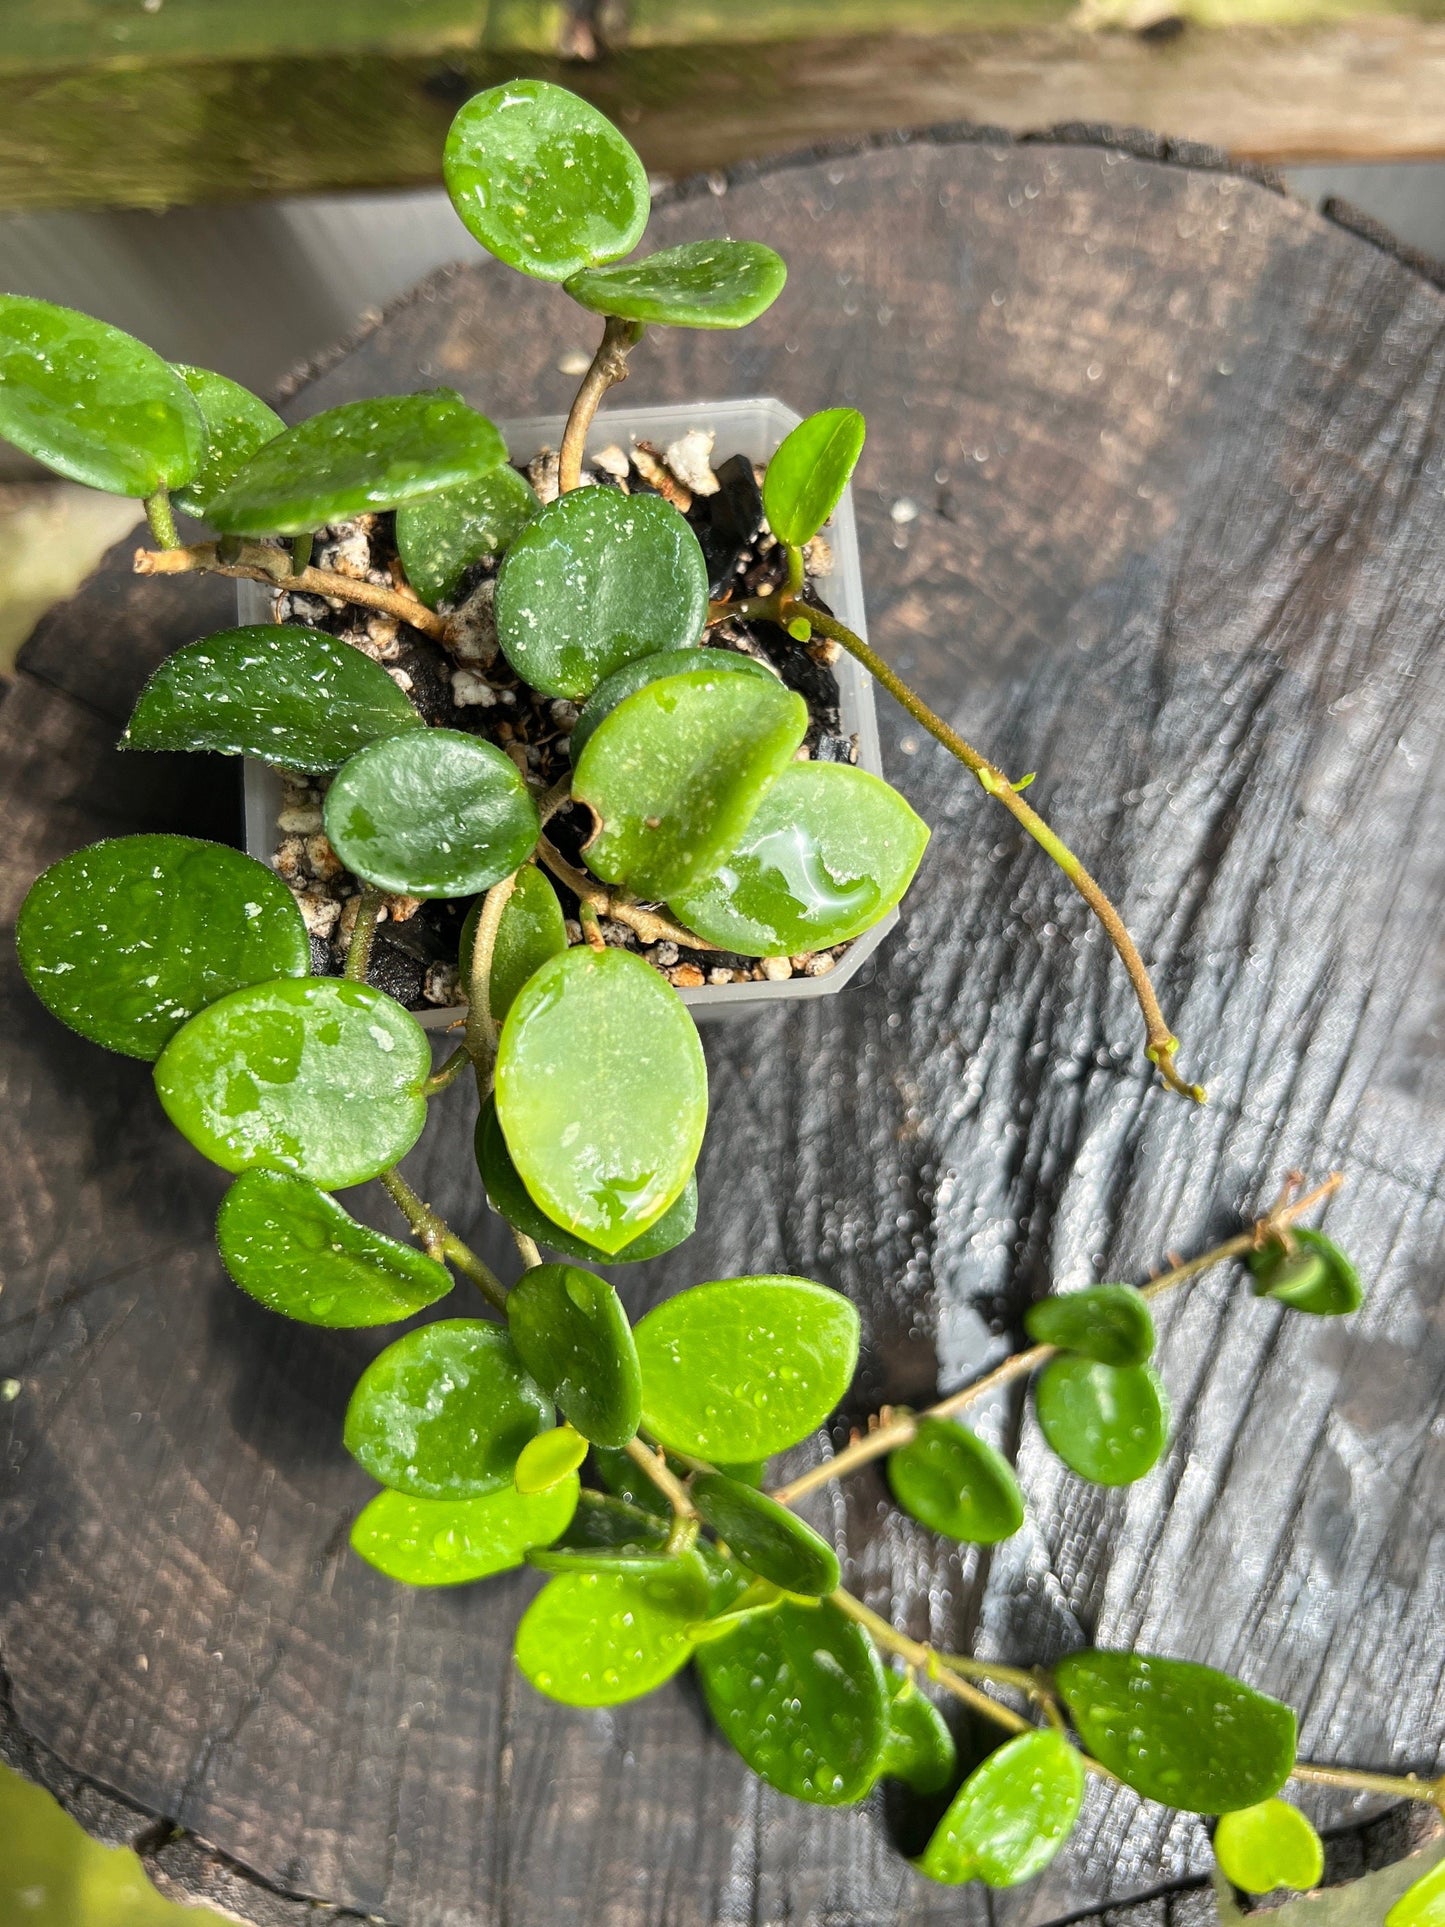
808, 474
919, 1749
532, 929
442, 535
126, 940
548, 1458
449, 1542
1108, 1423
445, 1411
702, 284
291, 1246
599, 1638
1422, 1905
237, 423
954, 1482
1317, 1277
1110, 1323
1010, 1816
642, 670
764, 1536
573, 1336
290, 696
1268, 1846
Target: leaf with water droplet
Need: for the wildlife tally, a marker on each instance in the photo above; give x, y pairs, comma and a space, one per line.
440, 536
320, 1076
1110, 1323
431, 813
599, 1638
532, 929
701, 284
676, 772
1316, 1277
955, 1483
292, 1247
808, 474
126, 940
445, 1411
547, 1458
698, 660
236, 422
1178, 1732
1108, 1423
595, 580
601, 1093
92, 403
828, 851
604, 1523
764, 1536
287, 695
543, 180
919, 1749
740, 1368
1267, 1846
1010, 1816
573, 1336
1423, 1904
363, 455
800, 1693
448, 1542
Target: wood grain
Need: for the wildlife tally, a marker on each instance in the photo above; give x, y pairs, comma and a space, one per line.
1175, 447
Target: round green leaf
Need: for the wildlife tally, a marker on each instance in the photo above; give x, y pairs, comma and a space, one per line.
128, 939
236, 422
432, 813
549, 1457
291, 696
92, 403
634, 675
573, 1337
1177, 1732
954, 1482
447, 1542
1110, 1323
764, 1536
829, 850
291, 1246
1316, 1278
1268, 1846
511, 1199
597, 578
320, 1077
543, 180
363, 455
1108, 1423
442, 535
741, 1368
799, 1692
702, 284
601, 1094
1423, 1904
807, 476
919, 1749
676, 772
445, 1411
1010, 1816
599, 1638
532, 929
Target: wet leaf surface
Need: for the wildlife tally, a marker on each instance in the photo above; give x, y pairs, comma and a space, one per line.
701, 284
532, 929
1267, 1846
919, 1749
440, 536
764, 1536
573, 1336
1010, 1816
956, 1483
449, 1542
1110, 1323
236, 423
599, 1638
1317, 1277
642, 670
1108, 1423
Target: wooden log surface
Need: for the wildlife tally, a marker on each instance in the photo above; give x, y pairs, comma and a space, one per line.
1174, 447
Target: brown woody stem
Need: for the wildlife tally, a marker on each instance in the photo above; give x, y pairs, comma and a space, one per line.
608, 367
258, 562
617, 904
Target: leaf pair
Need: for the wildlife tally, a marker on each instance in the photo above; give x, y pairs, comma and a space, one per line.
1315, 1276
1101, 1407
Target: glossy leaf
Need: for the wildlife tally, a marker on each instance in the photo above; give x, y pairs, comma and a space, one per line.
1110, 1323
363, 455
799, 1692
543, 180
808, 474
94, 404
741, 1368
431, 813
510, 1197
532, 929
126, 940
445, 1411
702, 284
440, 536
956, 1483
759, 1598
1423, 1904
1177, 1732
1010, 1816
1317, 1277
919, 1749
601, 1093
320, 1077
573, 1336
236, 424
642, 670
676, 772
448, 1542
599, 1638
1108, 1423
1268, 1846
764, 1536
287, 695
292, 1247
598, 578
829, 851
548, 1458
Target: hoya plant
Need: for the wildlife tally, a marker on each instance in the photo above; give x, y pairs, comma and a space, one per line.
632, 1466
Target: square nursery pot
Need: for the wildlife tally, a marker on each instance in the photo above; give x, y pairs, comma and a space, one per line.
752, 428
